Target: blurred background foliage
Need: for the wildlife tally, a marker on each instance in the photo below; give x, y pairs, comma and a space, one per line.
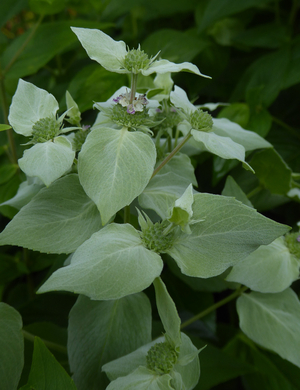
250, 48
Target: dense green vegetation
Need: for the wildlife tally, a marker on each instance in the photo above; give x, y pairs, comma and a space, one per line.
251, 51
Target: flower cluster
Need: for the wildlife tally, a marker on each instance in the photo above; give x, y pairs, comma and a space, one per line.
137, 104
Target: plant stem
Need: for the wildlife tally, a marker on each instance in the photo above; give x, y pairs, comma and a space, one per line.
25, 43
205, 312
134, 77
49, 344
254, 192
169, 156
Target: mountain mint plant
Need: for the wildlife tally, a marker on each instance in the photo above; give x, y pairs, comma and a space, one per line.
120, 198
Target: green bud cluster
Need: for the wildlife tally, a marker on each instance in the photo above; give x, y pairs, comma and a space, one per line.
120, 116
292, 241
135, 60
169, 120
79, 139
201, 120
44, 130
161, 358
154, 238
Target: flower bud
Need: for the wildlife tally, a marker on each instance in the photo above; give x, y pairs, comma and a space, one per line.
292, 241
161, 358
201, 120
45, 129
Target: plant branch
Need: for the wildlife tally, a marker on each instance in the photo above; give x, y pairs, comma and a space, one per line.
49, 344
169, 156
205, 312
23, 46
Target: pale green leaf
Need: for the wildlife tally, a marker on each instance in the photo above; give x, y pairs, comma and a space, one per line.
46, 373
114, 167
229, 232
180, 99
102, 48
272, 321
168, 185
165, 66
113, 263
126, 364
231, 188
182, 211
189, 372
49, 160
29, 105
142, 379
73, 113
167, 312
57, 220
47, 7
248, 139
11, 347
223, 147
26, 192
269, 269
96, 330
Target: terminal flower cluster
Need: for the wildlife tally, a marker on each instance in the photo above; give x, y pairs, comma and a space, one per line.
137, 104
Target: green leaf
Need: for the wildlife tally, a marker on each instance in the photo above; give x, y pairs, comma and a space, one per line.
95, 82
188, 365
173, 45
248, 139
48, 161
168, 185
142, 379
217, 367
9, 9
269, 166
236, 112
42, 47
103, 49
269, 269
11, 347
4, 127
264, 375
46, 373
231, 188
168, 313
114, 167
182, 211
26, 192
221, 146
57, 220
229, 233
115, 253
276, 325
218, 9
35, 102
263, 74
7, 171
268, 35
102, 331
47, 7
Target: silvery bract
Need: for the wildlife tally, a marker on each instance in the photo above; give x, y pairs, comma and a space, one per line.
225, 138
111, 55
52, 154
